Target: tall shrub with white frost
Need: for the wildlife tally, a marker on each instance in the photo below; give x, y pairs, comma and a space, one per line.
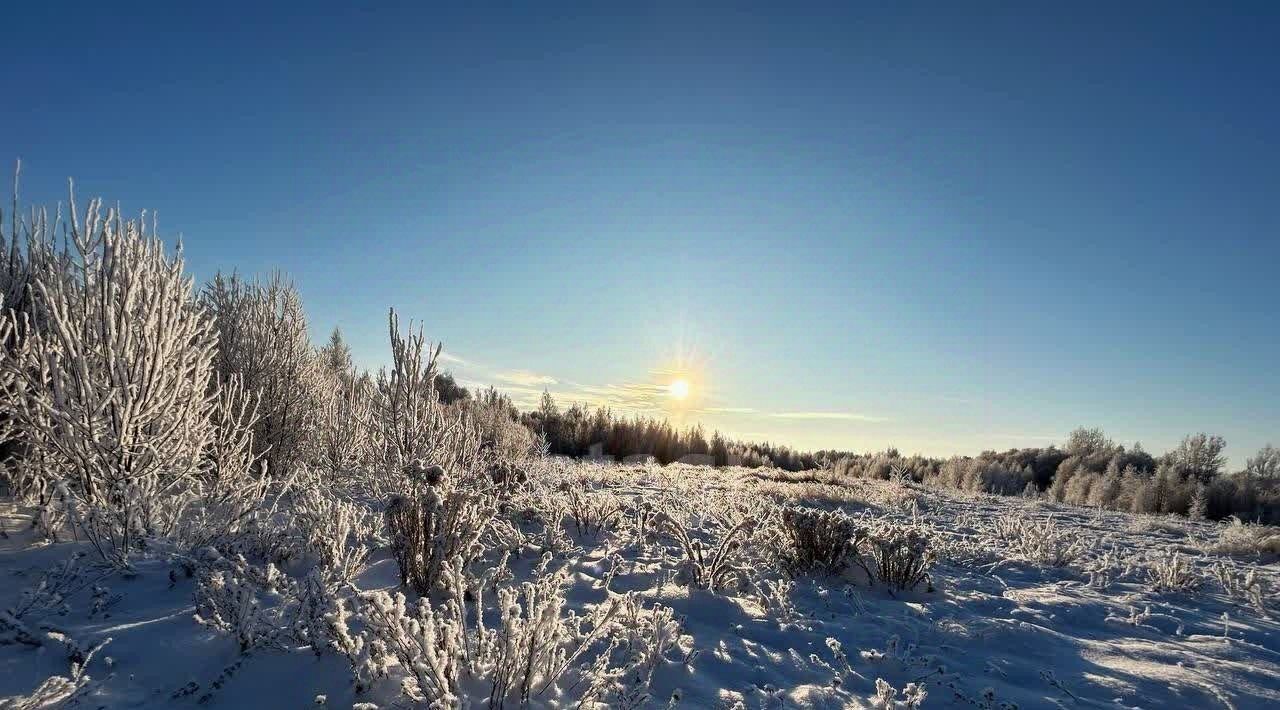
115, 385
410, 424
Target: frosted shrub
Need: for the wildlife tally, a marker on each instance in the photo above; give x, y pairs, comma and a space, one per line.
57, 691
48, 596
898, 555
649, 639
1107, 568
113, 388
886, 696
227, 600
321, 618
334, 530
440, 521
508, 475
1041, 541
344, 431
776, 596
450, 657
536, 642
821, 541
429, 645
1243, 586
1171, 572
642, 520
501, 433
590, 511
228, 489
410, 425
225, 603
715, 565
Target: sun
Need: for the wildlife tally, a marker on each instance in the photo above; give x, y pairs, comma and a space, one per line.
678, 389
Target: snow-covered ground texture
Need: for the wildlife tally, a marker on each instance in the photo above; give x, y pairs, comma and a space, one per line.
569, 584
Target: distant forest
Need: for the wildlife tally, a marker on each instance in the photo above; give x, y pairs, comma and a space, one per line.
573, 430
1089, 469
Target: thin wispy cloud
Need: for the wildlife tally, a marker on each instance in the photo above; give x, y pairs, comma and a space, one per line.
833, 416
839, 416
634, 396
524, 378
456, 360
475, 374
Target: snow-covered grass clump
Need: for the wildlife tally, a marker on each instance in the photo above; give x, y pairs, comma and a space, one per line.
1247, 539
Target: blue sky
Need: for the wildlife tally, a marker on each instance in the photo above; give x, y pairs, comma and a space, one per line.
937, 227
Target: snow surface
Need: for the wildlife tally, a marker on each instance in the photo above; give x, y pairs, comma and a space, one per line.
995, 629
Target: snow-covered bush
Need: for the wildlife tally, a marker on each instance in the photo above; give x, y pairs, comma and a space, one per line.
430, 645
228, 600
321, 618
1246, 586
536, 641
57, 691
508, 475
48, 596
449, 656
1041, 541
590, 511
440, 520
898, 555
410, 425
335, 530
648, 639
1110, 566
502, 434
30, 256
712, 565
344, 429
229, 490
113, 388
887, 697
821, 541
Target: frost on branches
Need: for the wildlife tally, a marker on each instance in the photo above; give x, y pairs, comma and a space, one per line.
109, 381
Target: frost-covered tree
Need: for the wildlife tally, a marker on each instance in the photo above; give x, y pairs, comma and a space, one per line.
262, 339
498, 420
335, 356
1083, 442
1266, 464
1199, 456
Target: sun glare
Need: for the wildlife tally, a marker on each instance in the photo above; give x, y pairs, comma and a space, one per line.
679, 389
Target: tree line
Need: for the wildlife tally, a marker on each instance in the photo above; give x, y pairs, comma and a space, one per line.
1090, 469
